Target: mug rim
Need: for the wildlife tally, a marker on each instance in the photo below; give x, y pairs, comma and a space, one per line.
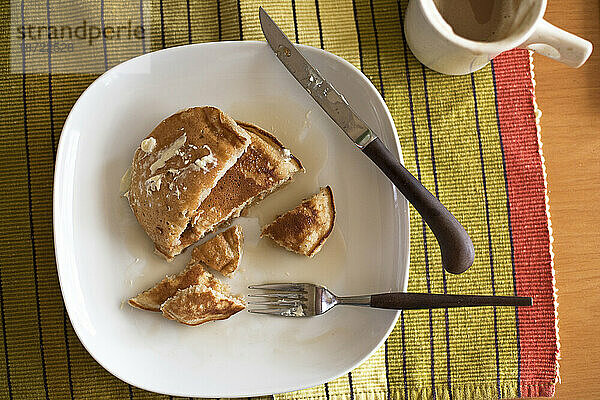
430, 11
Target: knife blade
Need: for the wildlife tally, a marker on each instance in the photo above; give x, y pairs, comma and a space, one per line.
309, 77
456, 246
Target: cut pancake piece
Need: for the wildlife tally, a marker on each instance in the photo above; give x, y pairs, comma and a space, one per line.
193, 274
176, 167
222, 253
305, 228
200, 303
262, 169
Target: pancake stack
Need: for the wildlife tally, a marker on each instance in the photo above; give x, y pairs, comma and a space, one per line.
199, 169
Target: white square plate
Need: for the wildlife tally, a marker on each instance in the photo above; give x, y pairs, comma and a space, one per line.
104, 257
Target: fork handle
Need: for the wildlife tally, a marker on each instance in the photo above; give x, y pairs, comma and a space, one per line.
419, 301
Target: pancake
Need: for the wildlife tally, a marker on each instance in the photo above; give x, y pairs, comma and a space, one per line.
222, 253
198, 304
262, 169
193, 274
176, 167
305, 228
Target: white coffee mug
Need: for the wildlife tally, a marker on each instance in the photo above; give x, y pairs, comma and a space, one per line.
458, 37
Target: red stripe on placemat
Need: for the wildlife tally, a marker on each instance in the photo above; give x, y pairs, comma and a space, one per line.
529, 220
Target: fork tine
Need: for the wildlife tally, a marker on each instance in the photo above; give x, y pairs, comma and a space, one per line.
291, 311
286, 287
284, 299
266, 312
280, 303
294, 296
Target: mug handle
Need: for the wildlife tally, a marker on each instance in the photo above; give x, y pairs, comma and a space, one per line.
560, 45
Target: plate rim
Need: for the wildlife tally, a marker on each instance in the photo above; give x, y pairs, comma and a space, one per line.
58, 232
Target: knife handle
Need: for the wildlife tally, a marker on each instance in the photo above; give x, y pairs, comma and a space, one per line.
455, 244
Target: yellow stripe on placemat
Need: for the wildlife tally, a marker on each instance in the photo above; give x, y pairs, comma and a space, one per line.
204, 20
118, 50
424, 337
280, 11
176, 23
18, 286
338, 28
230, 22
410, 345
47, 292
307, 23
370, 379
182, 22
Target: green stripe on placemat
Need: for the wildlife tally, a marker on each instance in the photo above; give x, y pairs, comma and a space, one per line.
471, 140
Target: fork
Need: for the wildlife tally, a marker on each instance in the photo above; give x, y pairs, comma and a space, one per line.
307, 300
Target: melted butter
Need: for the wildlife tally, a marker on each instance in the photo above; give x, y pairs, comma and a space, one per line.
167, 153
204, 164
207, 161
153, 183
148, 145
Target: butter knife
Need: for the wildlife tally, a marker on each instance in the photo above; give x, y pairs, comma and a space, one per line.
455, 244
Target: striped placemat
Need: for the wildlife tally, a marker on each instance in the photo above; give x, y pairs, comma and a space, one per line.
472, 140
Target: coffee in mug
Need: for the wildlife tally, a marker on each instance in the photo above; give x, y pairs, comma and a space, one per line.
461, 36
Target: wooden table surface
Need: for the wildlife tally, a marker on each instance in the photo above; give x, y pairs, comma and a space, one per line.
570, 104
